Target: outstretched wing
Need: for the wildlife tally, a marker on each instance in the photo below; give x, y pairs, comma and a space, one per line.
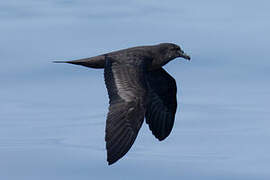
162, 103
127, 92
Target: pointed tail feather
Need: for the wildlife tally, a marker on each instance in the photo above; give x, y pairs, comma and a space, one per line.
60, 61
92, 62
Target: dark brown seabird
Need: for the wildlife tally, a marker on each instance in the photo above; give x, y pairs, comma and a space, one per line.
138, 87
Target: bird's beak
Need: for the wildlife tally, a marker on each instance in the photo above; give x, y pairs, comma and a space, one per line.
184, 55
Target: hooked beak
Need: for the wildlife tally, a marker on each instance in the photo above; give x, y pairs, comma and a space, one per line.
184, 55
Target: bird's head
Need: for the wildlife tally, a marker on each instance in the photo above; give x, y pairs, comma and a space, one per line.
171, 51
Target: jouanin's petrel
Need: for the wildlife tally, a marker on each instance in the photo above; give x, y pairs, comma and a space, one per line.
138, 87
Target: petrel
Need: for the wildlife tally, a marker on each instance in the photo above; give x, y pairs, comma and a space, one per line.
138, 87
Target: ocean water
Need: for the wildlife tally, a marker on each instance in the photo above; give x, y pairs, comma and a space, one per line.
52, 116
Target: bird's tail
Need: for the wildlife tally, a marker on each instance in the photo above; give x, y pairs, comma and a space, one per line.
92, 62
60, 61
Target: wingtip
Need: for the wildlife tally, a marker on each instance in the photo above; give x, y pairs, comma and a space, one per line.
111, 161
161, 138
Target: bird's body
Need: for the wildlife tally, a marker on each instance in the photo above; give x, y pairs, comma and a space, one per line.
138, 87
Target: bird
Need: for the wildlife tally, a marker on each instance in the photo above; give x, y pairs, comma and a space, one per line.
138, 87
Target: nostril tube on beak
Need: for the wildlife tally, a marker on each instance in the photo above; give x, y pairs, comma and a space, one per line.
185, 56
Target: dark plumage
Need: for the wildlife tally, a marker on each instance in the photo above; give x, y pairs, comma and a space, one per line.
138, 87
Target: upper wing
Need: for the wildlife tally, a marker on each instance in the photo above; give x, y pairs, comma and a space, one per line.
127, 92
162, 103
